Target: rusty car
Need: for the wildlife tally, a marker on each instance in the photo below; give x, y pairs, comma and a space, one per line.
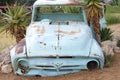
58, 41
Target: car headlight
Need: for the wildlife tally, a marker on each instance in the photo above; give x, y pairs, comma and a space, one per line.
23, 65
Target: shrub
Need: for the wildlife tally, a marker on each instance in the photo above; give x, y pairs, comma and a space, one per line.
15, 21
112, 19
106, 34
108, 60
118, 43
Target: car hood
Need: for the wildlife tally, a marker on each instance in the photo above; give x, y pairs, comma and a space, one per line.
58, 38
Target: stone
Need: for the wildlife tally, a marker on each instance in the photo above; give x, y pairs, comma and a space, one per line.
6, 68
116, 50
114, 44
109, 43
5, 55
108, 46
6, 51
116, 36
10, 47
7, 59
107, 50
1, 63
1, 58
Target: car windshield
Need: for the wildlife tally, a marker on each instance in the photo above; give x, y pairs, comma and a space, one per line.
58, 13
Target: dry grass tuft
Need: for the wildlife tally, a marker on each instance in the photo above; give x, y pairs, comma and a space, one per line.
6, 40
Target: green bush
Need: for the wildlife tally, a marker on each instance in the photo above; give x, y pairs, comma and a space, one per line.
106, 34
112, 14
15, 21
108, 60
112, 19
113, 9
118, 43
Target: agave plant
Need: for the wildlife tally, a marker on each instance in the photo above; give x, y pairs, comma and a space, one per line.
15, 21
94, 13
106, 34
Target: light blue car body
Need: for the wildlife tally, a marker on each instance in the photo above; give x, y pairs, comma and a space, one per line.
57, 44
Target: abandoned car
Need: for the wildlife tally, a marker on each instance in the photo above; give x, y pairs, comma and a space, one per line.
58, 41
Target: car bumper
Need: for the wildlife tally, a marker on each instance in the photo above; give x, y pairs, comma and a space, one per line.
51, 66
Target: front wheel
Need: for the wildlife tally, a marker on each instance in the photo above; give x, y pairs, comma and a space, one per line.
92, 65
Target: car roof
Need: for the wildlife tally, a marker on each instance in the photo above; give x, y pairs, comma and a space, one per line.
58, 2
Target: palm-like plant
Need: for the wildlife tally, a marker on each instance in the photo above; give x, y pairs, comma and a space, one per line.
106, 34
94, 13
15, 21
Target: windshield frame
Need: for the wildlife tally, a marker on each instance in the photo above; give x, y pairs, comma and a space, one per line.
80, 7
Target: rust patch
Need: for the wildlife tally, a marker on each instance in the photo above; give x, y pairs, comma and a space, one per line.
69, 32
35, 26
19, 47
41, 30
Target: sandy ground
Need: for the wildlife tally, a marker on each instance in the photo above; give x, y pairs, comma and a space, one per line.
110, 73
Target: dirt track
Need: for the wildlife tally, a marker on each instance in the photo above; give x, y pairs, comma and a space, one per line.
111, 73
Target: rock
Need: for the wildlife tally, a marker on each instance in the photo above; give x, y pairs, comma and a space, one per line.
107, 50
116, 37
7, 59
114, 44
109, 43
5, 65
6, 68
116, 50
10, 47
1, 58
108, 46
1, 63
5, 55
6, 51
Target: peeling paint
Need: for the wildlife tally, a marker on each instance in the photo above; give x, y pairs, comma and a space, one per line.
72, 32
35, 26
40, 30
49, 55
